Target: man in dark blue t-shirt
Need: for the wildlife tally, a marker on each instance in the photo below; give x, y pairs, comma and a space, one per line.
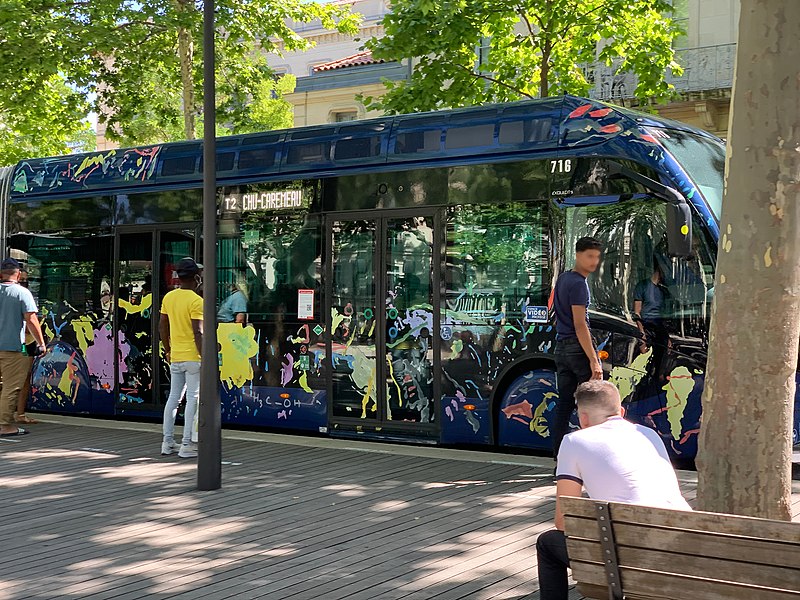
576, 355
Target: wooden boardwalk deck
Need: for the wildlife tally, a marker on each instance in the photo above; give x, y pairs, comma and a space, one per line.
91, 510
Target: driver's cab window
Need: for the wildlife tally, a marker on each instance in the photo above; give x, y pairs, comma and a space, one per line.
636, 265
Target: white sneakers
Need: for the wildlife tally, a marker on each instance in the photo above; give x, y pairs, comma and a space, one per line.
188, 450
168, 448
183, 450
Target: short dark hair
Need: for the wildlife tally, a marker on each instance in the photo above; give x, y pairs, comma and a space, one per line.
598, 395
588, 243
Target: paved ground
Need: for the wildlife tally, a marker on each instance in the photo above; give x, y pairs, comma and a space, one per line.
91, 510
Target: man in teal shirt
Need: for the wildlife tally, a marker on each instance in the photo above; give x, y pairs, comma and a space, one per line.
234, 307
17, 308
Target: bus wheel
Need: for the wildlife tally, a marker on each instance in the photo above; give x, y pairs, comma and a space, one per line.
526, 408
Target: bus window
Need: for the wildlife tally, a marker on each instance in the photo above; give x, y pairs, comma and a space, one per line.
257, 158
704, 161
469, 137
57, 215
497, 264
158, 207
497, 260
414, 142
528, 131
633, 234
314, 152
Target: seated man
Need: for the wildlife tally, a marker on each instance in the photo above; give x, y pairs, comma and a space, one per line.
616, 461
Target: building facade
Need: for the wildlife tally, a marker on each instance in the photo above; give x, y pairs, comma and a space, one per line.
334, 72
707, 54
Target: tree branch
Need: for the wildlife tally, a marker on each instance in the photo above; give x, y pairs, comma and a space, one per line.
132, 23
577, 20
493, 80
524, 16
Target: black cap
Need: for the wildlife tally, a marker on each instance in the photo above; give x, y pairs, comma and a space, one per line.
186, 267
10, 264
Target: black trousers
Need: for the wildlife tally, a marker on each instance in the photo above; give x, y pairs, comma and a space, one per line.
553, 561
572, 369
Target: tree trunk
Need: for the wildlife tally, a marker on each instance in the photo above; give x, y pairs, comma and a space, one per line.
186, 56
744, 459
544, 80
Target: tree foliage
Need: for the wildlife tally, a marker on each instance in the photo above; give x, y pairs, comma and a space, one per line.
138, 65
40, 113
469, 52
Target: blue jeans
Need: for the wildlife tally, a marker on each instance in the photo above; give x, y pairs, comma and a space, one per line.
185, 376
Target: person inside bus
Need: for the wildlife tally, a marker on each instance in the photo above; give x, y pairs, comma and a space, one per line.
650, 299
234, 308
614, 460
576, 355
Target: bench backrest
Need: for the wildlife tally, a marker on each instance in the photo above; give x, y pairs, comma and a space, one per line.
679, 554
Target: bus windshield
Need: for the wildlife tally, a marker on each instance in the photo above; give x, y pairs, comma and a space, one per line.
704, 161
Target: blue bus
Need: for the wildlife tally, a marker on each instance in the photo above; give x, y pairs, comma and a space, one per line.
396, 272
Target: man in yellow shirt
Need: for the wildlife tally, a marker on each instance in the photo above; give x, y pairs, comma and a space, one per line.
181, 330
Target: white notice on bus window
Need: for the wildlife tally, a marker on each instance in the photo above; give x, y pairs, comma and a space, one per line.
305, 304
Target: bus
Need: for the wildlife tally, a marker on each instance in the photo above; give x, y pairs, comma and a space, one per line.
397, 272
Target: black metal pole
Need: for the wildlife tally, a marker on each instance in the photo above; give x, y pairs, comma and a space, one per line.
209, 452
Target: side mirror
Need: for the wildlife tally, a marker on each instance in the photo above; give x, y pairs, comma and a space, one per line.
679, 213
679, 229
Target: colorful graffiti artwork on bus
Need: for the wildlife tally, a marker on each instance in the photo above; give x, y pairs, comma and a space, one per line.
237, 346
409, 369
251, 393
137, 164
76, 372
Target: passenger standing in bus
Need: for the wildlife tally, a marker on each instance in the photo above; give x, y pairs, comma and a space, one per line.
576, 354
17, 308
234, 307
181, 330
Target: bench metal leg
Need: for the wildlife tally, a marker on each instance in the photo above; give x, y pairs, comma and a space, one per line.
609, 548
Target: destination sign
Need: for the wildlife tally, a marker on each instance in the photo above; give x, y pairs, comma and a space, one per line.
264, 201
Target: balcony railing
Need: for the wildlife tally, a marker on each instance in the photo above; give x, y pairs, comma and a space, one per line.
704, 69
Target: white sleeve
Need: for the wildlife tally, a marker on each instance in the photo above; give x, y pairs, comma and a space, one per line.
568, 467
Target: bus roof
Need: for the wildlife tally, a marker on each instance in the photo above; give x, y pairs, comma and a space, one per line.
497, 131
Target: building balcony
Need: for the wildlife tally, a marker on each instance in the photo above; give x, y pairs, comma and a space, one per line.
704, 69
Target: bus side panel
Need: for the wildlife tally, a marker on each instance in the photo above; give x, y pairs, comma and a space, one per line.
271, 385
673, 409
274, 407
62, 382
465, 420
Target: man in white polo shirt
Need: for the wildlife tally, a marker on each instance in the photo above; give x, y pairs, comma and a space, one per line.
615, 461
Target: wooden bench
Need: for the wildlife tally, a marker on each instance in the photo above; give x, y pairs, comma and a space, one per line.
636, 552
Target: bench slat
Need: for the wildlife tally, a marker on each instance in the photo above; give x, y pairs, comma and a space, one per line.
650, 585
691, 565
709, 545
699, 521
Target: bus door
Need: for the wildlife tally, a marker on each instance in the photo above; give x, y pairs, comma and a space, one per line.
145, 259
383, 314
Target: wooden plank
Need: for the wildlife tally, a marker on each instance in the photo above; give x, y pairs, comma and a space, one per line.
691, 564
649, 585
702, 544
699, 521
